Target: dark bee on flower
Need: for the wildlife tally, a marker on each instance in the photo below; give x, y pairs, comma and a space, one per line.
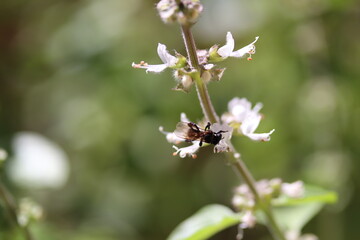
192, 132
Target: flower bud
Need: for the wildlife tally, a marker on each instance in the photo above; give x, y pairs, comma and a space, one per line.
213, 54
185, 80
3, 155
183, 11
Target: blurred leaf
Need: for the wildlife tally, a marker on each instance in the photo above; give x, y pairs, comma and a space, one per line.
312, 194
294, 213
206, 222
294, 218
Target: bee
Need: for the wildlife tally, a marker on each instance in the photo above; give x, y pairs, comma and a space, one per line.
192, 132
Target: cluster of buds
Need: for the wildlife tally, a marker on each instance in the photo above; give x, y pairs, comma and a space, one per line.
244, 199
184, 12
28, 211
183, 72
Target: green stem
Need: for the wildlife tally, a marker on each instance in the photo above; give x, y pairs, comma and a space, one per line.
240, 168
209, 112
201, 89
10, 204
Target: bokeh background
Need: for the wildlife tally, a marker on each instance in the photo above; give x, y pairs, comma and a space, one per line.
69, 96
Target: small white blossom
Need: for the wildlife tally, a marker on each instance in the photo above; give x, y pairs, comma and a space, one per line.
3, 155
248, 220
243, 202
228, 49
187, 151
293, 190
308, 236
168, 61
239, 109
38, 162
240, 112
295, 235
264, 188
28, 210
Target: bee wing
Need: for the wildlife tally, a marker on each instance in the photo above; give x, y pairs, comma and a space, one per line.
182, 130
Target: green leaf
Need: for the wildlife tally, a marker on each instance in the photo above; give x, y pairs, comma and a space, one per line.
294, 218
294, 213
312, 194
208, 221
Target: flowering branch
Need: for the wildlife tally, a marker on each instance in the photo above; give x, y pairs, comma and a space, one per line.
209, 112
198, 69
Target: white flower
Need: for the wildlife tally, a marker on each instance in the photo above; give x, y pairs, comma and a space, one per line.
187, 151
249, 126
3, 155
295, 235
228, 49
28, 210
240, 112
293, 190
243, 202
38, 162
248, 220
239, 109
168, 61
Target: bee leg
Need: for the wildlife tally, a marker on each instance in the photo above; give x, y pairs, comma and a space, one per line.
188, 140
208, 126
200, 143
193, 126
221, 131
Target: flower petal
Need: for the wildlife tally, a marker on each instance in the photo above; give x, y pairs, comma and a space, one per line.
240, 108
263, 137
171, 137
154, 68
250, 123
184, 118
226, 50
249, 49
187, 151
168, 59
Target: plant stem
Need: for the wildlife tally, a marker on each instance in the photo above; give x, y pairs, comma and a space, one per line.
201, 89
240, 168
10, 204
209, 112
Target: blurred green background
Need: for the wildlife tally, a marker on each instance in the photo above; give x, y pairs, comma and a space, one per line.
65, 73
